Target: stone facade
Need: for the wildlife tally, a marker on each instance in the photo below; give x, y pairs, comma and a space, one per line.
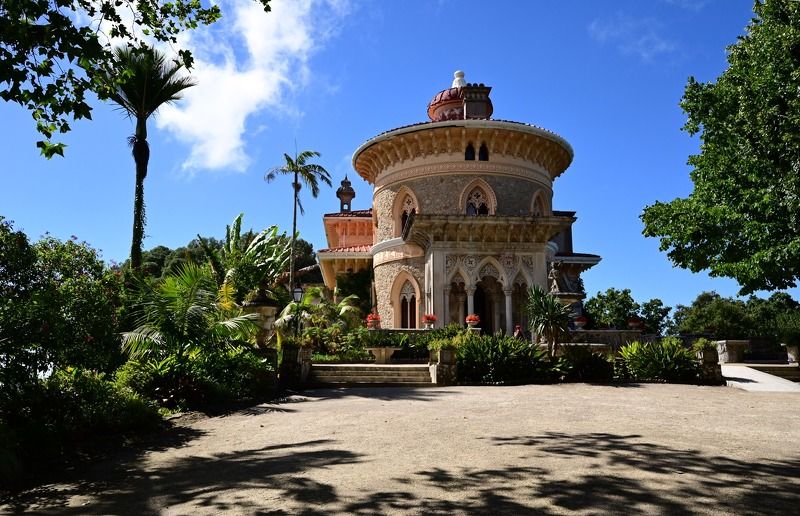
462, 216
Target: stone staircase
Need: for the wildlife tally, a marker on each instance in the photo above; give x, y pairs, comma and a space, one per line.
789, 372
406, 375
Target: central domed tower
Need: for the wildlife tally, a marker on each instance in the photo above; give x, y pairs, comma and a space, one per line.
462, 214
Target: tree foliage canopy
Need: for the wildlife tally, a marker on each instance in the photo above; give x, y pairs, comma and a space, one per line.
613, 307
50, 50
742, 219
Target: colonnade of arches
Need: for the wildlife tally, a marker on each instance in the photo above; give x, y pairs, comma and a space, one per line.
498, 302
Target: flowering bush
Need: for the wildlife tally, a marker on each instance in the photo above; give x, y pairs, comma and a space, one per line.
472, 318
373, 317
429, 318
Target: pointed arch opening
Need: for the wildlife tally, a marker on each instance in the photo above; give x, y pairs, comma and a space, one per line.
469, 153
483, 152
539, 205
478, 198
406, 301
405, 205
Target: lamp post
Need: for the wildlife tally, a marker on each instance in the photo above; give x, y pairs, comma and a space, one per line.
297, 294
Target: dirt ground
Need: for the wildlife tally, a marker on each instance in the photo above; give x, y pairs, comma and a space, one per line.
551, 449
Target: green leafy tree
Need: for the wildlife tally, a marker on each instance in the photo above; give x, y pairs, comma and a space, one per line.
57, 310
741, 221
612, 308
148, 81
655, 316
306, 173
49, 53
725, 318
548, 317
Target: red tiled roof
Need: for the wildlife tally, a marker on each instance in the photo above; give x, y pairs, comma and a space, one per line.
348, 249
354, 213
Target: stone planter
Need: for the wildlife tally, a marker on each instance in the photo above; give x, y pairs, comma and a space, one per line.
444, 371
266, 310
708, 356
732, 350
792, 352
428, 325
373, 324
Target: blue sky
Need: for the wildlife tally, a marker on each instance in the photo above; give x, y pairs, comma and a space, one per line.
607, 76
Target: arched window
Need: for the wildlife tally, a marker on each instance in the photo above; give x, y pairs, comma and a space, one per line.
469, 154
403, 210
538, 207
483, 153
408, 306
477, 203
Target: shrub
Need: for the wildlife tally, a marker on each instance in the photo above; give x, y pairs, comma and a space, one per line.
501, 359
581, 364
207, 377
70, 406
665, 360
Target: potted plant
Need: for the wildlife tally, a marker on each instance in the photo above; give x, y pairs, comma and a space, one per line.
706, 351
428, 320
443, 351
634, 323
472, 320
373, 321
580, 321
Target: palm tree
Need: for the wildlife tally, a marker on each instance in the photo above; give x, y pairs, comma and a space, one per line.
144, 79
310, 174
314, 311
186, 313
548, 317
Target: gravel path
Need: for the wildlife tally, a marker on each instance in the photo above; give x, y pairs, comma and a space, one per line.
552, 449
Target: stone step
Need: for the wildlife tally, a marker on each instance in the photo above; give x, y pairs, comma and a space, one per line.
357, 367
338, 374
387, 374
789, 372
369, 379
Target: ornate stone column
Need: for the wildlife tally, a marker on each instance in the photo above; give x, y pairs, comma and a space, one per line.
509, 311
461, 314
470, 301
446, 306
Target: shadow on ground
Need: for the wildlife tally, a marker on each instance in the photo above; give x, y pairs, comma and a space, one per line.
381, 393
599, 473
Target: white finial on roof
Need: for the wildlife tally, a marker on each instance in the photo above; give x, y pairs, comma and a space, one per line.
459, 81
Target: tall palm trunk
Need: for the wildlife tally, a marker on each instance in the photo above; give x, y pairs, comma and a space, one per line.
141, 156
296, 187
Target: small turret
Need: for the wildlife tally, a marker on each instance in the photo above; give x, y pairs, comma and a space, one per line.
345, 193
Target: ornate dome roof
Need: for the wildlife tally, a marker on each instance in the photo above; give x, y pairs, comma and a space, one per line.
451, 104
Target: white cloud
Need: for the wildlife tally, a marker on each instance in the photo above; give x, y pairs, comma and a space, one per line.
692, 5
632, 36
245, 64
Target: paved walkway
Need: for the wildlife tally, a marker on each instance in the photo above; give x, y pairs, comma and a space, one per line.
550, 449
749, 379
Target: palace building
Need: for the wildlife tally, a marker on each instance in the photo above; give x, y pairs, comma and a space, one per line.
461, 220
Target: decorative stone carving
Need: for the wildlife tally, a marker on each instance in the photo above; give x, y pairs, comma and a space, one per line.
508, 262
527, 261
489, 270
470, 262
449, 263
552, 279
